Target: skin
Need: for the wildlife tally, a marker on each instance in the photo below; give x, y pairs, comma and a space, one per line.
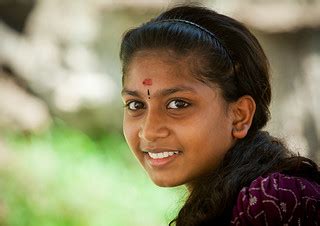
182, 114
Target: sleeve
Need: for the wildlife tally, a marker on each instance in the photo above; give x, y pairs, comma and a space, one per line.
278, 199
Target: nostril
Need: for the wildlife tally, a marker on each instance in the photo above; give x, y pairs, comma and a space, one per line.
147, 135
154, 132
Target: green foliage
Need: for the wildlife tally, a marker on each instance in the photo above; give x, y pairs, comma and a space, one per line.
66, 178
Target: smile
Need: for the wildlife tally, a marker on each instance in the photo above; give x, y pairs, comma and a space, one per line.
161, 155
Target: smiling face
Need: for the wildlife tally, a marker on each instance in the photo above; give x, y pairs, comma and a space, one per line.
178, 127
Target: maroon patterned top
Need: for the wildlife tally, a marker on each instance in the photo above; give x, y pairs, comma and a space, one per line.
278, 199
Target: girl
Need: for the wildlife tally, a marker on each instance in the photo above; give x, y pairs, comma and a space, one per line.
197, 93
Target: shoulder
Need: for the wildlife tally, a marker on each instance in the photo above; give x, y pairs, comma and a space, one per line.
278, 199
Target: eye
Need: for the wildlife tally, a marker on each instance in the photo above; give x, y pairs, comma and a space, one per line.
134, 105
175, 104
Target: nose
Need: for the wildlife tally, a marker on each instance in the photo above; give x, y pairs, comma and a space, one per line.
154, 126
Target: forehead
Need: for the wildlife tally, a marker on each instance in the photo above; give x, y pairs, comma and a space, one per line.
159, 64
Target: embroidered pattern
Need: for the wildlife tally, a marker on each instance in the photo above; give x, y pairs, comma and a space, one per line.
252, 200
278, 199
283, 207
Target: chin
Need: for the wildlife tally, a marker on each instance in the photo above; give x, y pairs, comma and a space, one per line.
166, 183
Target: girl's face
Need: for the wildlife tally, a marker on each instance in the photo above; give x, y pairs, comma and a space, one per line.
178, 127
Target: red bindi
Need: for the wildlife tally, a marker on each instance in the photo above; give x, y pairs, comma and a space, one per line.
147, 82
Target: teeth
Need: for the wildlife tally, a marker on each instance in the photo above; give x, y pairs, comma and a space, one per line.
161, 155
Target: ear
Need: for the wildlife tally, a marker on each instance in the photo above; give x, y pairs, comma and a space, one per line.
243, 111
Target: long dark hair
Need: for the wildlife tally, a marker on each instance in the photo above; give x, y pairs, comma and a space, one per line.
225, 53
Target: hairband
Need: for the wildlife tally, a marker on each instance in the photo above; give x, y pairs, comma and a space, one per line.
206, 31
200, 27
193, 24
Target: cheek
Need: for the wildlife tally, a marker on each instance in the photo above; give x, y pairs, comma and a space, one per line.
130, 132
212, 132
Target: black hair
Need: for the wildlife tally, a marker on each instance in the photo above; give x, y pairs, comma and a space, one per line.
225, 53
234, 60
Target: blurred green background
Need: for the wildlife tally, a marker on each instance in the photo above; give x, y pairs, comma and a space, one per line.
63, 158
63, 177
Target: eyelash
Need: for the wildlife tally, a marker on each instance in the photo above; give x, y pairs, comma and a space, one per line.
127, 105
185, 104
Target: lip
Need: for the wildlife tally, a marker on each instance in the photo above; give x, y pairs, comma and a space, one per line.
161, 162
158, 149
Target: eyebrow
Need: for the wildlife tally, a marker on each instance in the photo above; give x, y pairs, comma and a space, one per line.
163, 92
